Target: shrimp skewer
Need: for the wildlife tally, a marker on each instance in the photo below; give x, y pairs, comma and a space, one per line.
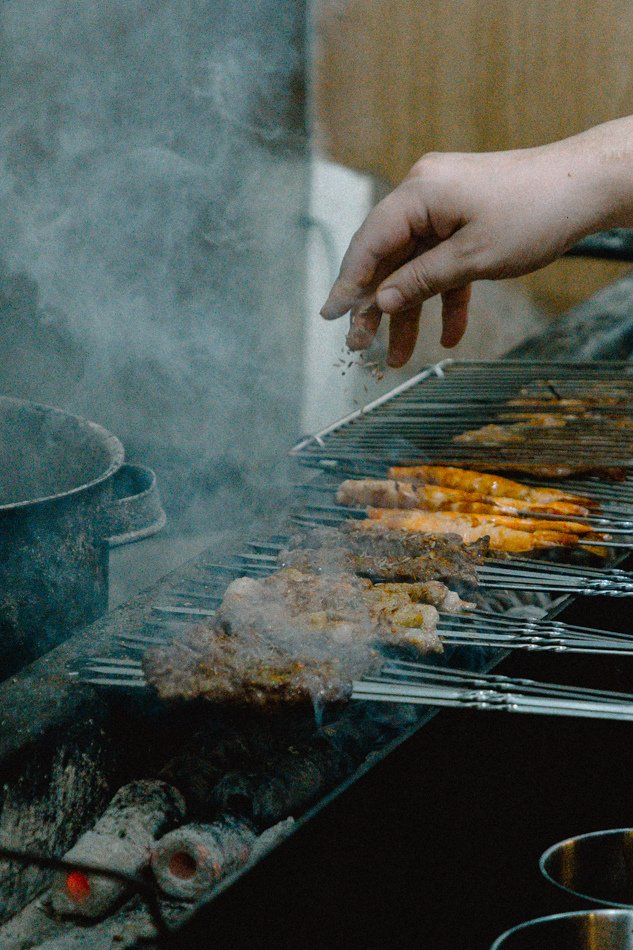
513, 535
389, 493
485, 484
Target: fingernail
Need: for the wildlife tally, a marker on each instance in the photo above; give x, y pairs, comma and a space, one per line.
395, 360
329, 310
447, 340
390, 299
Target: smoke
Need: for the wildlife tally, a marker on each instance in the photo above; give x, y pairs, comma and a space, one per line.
152, 182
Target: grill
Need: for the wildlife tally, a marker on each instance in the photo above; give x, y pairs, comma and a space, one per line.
521, 600
414, 422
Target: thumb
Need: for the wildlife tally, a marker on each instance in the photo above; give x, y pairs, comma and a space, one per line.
444, 267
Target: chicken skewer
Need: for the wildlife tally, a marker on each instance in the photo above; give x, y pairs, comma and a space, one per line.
547, 470
531, 525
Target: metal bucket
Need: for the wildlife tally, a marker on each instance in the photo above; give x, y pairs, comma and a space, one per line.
596, 867
581, 930
57, 476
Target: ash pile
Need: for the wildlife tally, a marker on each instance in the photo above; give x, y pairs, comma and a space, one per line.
226, 798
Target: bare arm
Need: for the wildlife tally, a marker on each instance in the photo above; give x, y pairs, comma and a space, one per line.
460, 217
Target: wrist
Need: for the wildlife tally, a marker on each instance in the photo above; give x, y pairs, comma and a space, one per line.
606, 156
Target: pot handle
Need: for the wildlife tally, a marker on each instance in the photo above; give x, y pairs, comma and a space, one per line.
135, 511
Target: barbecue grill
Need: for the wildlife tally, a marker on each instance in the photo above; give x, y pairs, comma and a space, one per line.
523, 597
402, 426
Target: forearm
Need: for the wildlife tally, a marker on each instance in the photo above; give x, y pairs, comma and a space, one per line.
603, 157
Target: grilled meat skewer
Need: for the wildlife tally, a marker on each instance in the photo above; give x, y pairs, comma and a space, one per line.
505, 521
293, 637
530, 429
389, 493
502, 537
373, 550
547, 470
486, 484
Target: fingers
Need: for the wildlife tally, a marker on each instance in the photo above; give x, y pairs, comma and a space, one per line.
363, 328
383, 242
454, 315
403, 334
442, 268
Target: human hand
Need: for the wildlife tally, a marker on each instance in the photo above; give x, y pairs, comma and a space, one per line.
459, 217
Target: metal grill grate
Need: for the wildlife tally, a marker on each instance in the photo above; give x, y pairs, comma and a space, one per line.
419, 420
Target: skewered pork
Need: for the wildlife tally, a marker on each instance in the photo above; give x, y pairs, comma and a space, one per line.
389, 493
486, 484
209, 664
342, 606
379, 552
293, 636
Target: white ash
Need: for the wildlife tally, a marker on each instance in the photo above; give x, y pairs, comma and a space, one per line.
189, 861
270, 838
210, 853
120, 840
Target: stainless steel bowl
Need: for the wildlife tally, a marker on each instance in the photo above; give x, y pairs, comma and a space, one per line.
580, 930
597, 867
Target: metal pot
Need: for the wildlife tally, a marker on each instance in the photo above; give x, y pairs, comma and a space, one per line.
57, 473
596, 867
581, 930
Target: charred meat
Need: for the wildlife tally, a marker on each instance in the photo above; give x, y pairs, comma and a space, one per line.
293, 637
378, 552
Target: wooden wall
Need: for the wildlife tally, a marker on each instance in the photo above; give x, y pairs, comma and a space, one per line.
396, 78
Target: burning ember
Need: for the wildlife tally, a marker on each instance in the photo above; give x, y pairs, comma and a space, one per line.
190, 860
121, 839
78, 886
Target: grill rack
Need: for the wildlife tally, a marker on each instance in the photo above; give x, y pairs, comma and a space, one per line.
403, 424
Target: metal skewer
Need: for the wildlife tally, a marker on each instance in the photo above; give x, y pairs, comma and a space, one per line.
430, 673
486, 701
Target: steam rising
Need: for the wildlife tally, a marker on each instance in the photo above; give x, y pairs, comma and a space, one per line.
152, 182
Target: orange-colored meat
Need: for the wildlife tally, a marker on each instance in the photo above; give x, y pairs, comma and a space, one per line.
556, 470
494, 433
392, 493
486, 484
542, 420
505, 521
501, 537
